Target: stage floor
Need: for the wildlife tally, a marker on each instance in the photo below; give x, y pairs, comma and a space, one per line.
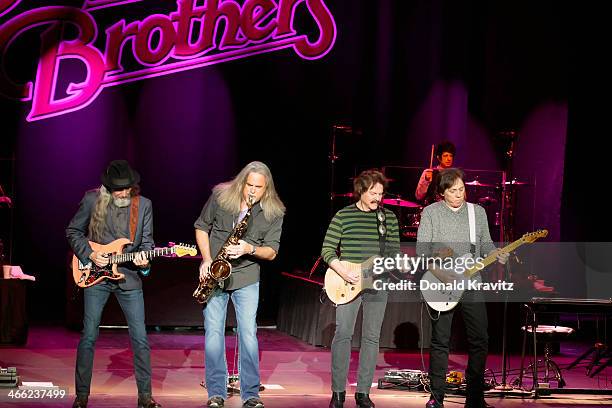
294, 373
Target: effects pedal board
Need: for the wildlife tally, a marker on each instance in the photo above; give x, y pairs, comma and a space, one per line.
403, 379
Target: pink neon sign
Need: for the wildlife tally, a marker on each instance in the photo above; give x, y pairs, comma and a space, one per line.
186, 38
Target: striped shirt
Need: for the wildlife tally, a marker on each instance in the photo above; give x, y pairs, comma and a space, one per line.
355, 233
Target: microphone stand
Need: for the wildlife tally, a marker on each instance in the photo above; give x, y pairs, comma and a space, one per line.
506, 232
332, 170
332, 184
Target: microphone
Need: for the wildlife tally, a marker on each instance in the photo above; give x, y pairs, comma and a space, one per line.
342, 127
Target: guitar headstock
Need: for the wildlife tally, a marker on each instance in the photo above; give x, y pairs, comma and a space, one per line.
184, 249
531, 237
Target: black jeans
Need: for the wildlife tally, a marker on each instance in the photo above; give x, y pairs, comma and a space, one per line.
475, 317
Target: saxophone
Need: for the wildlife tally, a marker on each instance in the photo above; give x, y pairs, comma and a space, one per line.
221, 268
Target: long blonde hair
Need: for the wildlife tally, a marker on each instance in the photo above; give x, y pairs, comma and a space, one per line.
229, 194
98, 215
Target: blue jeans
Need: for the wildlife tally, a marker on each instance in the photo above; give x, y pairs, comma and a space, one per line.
132, 304
245, 302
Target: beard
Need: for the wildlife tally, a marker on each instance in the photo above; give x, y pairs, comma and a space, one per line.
122, 202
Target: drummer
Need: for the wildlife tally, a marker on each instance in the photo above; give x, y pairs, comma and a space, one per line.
426, 191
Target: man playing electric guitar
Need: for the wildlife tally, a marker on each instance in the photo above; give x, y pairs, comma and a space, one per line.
111, 212
358, 232
445, 231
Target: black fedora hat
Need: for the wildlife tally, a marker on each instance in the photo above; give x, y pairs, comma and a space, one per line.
119, 175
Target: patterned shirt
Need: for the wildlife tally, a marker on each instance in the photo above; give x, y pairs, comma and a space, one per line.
355, 233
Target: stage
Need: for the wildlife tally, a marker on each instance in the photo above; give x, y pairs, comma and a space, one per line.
294, 373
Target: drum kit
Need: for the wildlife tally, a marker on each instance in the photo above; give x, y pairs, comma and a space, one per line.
409, 212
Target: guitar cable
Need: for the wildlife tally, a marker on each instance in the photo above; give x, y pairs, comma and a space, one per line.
427, 382
322, 296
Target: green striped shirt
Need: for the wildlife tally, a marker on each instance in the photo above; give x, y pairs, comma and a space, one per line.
355, 234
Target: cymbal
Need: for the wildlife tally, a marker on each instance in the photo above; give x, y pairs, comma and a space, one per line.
389, 179
517, 183
400, 202
487, 200
477, 183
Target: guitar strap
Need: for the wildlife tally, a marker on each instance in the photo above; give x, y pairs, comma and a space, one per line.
472, 223
381, 221
134, 217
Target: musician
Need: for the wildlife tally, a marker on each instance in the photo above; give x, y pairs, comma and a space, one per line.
104, 215
445, 231
221, 213
426, 189
354, 234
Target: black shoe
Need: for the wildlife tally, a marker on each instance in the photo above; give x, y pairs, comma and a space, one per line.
337, 400
432, 403
215, 402
363, 400
147, 402
253, 402
80, 402
480, 404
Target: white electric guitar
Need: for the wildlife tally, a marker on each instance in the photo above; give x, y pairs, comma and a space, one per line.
446, 299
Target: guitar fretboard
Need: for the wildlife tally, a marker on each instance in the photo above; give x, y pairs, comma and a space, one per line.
527, 238
120, 258
492, 258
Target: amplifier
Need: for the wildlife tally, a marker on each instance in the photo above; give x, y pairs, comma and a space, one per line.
8, 377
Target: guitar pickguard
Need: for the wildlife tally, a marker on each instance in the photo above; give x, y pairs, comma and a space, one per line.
97, 272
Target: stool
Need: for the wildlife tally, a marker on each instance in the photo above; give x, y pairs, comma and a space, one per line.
548, 334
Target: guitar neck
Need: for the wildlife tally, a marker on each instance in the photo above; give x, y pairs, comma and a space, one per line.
121, 258
492, 258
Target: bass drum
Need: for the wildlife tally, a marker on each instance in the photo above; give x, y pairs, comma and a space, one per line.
409, 220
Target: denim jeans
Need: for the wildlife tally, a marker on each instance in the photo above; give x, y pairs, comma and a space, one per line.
374, 305
245, 302
132, 304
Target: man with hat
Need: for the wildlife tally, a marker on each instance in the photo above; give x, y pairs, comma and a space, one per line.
112, 211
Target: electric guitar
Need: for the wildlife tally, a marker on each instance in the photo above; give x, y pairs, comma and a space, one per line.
91, 274
340, 291
446, 299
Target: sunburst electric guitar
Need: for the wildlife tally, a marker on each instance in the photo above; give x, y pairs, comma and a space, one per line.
91, 274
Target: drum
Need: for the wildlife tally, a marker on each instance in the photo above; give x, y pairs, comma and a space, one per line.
410, 220
408, 215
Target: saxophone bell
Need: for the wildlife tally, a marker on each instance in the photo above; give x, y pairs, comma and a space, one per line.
221, 268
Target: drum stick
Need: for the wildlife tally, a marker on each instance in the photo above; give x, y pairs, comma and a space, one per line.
431, 157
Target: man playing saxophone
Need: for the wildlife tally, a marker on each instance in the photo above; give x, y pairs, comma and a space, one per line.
227, 206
